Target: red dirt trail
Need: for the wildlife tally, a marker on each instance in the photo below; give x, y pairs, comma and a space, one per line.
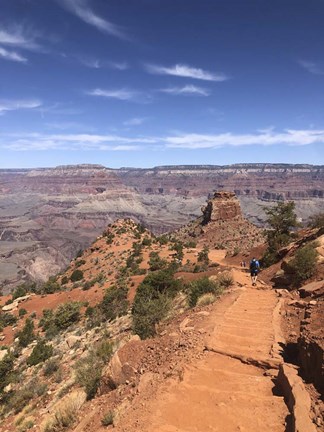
223, 391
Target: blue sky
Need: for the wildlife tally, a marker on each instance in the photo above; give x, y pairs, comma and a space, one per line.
161, 82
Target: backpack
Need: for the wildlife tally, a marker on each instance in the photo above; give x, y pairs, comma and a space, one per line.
254, 265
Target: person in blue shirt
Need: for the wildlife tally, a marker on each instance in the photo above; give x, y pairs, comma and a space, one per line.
254, 270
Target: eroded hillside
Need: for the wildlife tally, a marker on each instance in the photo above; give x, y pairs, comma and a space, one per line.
216, 352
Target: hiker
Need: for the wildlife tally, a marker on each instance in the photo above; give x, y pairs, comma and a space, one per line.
254, 270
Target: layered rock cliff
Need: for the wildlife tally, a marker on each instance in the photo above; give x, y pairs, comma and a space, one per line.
65, 208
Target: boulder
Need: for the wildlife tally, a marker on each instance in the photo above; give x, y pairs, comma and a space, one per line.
312, 289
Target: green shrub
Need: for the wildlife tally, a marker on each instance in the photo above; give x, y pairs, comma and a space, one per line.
153, 300
6, 369
26, 335
22, 312
76, 275
64, 280
316, 221
40, 353
146, 241
203, 255
67, 314
50, 287
51, 366
20, 291
89, 369
7, 319
21, 397
303, 265
108, 419
79, 263
156, 263
200, 287
114, 302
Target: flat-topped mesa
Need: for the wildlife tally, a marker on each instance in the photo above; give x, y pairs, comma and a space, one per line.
223, 206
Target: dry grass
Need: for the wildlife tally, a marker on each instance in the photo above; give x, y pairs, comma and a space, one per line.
206, 299
66, 412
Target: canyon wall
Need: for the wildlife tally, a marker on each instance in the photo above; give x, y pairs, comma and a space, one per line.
48, 214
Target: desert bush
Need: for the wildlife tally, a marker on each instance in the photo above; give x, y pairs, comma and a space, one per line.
50, 287
79, 263
206, 299
51, 366
40, 353
163, 239
26, 335
22, 312
156, 263
64, 280
200, 287
203, 256
20, 291
114, 302
281, 220
225, 279
67, 314
25, 424
153, 300
65, 414
316, 221
6, 369
146, 241
21, 397
7, 319
76, 275
190, 244
108, 419
88, 370
303, 265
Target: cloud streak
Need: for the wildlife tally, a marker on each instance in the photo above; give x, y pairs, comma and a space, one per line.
19, 37
136, 121
84, 142
184, 71
82, 10
188, 90
288, 137
311, 67
12, 56
37, 141
121, 94
13, 105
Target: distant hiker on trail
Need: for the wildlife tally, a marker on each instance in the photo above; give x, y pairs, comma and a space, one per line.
254, 270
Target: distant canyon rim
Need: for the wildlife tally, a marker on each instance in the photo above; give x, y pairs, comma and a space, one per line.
48, 214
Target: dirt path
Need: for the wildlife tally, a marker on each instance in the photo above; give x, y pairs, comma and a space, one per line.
226, 390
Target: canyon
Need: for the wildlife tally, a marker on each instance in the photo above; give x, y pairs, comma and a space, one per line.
48, 214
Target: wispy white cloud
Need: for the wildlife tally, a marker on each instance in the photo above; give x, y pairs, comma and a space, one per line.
37, 141
121, 94
20, 37
81, 9
188, 90
12, 56
13, 105
181, 70
88, 141
311, 67
99, 64
135, 121
288, 137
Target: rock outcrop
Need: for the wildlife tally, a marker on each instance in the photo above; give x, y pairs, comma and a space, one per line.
224, 206
222, 226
